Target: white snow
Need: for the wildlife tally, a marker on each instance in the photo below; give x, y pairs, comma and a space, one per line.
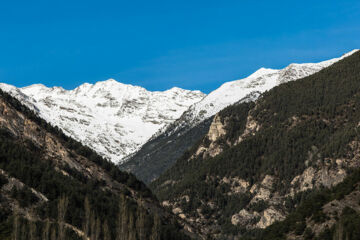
231, 92
114, 119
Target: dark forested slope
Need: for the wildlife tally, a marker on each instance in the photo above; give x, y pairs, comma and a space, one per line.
52, 187
259, 162
161, 152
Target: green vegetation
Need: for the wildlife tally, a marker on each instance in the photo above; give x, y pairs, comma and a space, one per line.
302, 123
86, 204
311, 208
160, 153
3, 180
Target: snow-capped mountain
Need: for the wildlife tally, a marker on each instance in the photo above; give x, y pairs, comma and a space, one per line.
260, 81
170, 142
112, 118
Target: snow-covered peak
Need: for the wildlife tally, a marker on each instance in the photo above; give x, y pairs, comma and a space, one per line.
113, 118
349, 53
7, 87
36, 88
174, 90
231, 92
261, 72
116, 119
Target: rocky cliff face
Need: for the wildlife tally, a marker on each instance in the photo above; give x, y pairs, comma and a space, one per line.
112, 118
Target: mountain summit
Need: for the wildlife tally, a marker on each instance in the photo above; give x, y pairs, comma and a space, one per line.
260, 81
170, 142
117, 119
112, 118
287, 163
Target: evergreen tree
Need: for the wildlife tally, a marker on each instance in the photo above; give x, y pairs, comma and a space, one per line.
46, 230
132, 228
123, 228
86, 224
106, 231
62, 208
32, 226
140, 223
156, 229
16, 225
53, 233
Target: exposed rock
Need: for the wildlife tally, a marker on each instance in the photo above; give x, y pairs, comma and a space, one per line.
263, 190
269, 216
326, 175
244, 218
334, 209
262, 194
214, 149
177, 211
166, 204
251, 128
216, 130
237, 185
268, 181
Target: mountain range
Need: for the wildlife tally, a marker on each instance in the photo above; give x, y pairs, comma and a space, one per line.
170, 142
273, 156
53, 187
112, 118
120, 121
285, 166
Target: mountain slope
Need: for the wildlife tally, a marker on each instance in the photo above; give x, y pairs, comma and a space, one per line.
158, 154
162, 150
260, 161
53, 186
112, 118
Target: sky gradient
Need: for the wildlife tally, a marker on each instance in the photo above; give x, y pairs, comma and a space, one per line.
160, 44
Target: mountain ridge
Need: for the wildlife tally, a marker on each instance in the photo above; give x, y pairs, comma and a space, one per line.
111, 117
50, 183
163, 148
106, 115
297, 145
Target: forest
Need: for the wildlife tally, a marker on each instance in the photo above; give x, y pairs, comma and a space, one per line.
319, 113
77, 207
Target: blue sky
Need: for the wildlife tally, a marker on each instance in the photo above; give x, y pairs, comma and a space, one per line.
161, 44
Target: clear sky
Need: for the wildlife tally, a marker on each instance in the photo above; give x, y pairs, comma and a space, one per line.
196, 44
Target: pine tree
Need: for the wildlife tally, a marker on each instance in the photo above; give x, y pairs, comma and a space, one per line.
132, 228
86, 226
106, 231
46, 230
32, 233
53, 233
17, 225
24, 232
156, 229
123, 228
92, 226
140, 223
97, 229
62, 208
